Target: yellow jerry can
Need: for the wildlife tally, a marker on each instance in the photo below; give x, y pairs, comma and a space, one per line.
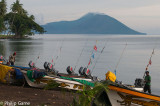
110, 76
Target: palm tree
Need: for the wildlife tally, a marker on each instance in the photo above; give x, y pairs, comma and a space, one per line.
17, 8
3, 10
20, 23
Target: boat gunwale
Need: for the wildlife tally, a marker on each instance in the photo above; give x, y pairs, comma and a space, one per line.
134, 92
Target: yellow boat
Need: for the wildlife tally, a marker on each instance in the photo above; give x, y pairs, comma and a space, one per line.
119, 95
122, 95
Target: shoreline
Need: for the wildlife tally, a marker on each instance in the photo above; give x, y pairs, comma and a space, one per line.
11, 37
34, 97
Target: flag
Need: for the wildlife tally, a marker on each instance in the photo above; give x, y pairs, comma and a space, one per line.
1, 57
52, 60
115, 71
150, 62
92, 56
95, 48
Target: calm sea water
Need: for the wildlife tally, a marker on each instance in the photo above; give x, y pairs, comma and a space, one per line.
131, 63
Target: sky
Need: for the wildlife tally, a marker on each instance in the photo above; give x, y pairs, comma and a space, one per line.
140, 15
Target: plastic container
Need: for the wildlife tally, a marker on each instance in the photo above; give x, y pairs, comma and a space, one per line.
110, 76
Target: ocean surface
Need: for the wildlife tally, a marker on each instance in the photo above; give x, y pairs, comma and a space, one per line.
128, 54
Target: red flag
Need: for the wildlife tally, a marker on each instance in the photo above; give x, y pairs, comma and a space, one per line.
150, 62
95, 48
88, 70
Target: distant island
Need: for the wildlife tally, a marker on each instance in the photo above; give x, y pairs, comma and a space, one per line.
91, 23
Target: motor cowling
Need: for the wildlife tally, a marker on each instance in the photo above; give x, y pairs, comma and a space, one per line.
69, 70
139, 82
31, 64
45, 65
86, 72
81, 71
1, 58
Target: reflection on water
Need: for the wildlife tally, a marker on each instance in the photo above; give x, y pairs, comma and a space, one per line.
66, 49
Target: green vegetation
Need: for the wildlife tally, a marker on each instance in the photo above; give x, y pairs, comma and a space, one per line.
17, 22
51, 85
6, 36
3, 10
94, 96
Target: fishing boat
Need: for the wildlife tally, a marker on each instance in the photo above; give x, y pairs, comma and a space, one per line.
119, 95
68, 83
10, 75
38, 79
125, 95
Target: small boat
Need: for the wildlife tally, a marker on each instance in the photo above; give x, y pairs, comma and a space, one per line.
134, 97
38, 79
122, 96
65, 82
126, 95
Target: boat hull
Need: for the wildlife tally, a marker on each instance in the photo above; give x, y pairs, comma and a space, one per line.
119, 96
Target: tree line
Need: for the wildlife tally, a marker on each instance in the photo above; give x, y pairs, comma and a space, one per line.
17, 22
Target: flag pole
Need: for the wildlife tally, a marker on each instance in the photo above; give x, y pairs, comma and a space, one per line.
149, 63
115, 71
60, 49
80, 54
99, 55
94, 48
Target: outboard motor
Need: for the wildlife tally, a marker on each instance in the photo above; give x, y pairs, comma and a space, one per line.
50, 67
46, 65
139, 82
31, 64
1, 59
86, 72
81, 71
70, 70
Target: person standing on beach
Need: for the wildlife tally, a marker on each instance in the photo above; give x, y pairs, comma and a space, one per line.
12, 58
147, 81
